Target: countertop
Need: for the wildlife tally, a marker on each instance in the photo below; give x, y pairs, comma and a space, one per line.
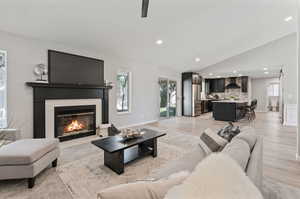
231, 101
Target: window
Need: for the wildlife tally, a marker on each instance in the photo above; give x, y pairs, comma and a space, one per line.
123, 92
3, 77
273, 90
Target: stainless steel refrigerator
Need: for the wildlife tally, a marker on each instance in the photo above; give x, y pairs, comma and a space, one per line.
191, 94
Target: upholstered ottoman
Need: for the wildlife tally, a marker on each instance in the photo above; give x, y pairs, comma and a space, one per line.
27, 158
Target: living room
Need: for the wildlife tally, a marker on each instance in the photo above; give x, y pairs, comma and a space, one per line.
47, 50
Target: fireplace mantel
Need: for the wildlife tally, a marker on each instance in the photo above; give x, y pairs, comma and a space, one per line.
48, 85
46, 91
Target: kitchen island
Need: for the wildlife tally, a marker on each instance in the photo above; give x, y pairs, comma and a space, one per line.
229, 110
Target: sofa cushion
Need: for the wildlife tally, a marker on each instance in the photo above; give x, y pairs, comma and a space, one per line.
210, 141
188, 162
238, 150
26, 151
217, 176
144, 189
248, 135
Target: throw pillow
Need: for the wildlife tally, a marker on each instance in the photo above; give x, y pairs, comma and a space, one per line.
217, 176
229, 131
238, 150
248, 135
144, 189
211, 141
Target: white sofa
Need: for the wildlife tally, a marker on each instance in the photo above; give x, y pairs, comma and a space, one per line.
254, 169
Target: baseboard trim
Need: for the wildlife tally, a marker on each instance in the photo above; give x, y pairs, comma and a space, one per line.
289, 124
137, 124
297, 157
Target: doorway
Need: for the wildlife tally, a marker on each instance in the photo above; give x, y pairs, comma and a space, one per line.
167, 98
273, 97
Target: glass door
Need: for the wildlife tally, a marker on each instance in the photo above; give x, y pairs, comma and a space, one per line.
168, 98
163, 104
172, 98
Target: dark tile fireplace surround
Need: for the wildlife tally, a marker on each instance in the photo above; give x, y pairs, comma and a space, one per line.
70, 121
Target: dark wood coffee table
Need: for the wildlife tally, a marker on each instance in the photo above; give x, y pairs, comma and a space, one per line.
117, 152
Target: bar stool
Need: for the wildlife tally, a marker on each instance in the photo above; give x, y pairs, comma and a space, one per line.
250, 110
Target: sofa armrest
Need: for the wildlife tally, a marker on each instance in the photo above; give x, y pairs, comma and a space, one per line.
10, 134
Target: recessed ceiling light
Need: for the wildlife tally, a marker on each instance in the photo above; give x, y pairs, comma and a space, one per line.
265, 68
159, 42
197, 59
289, 18
210, 74
218, 76
266, 72
240, 75
234, 71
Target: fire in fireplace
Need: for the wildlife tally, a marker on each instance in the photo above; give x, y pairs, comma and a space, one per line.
75, 125
75, 121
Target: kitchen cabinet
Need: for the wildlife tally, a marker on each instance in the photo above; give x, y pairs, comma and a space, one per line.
221, 85
207, 86
229, 111
244, 81
206, 106
217, 85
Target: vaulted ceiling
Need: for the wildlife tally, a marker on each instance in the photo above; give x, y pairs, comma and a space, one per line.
209, 29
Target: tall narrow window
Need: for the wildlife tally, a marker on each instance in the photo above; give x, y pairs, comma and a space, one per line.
123, 92
3, 86
273, 89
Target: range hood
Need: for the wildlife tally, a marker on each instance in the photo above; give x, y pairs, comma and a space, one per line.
232, 84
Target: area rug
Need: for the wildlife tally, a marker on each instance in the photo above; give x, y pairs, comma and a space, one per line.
48, 186
86, 176
81, 174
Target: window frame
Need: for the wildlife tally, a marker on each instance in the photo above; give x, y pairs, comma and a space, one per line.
5, 92
121, 112
272, 87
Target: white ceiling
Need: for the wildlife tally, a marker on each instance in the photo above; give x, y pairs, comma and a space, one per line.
209, 29
268, 72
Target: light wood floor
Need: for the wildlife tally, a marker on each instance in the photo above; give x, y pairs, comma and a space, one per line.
280, 162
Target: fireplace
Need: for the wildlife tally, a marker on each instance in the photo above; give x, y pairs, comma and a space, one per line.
47, 97
74, 121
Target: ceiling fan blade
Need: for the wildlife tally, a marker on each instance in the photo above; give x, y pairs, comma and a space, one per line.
145, 8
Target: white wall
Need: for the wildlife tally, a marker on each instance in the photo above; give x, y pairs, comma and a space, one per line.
280, 52
259, 92
25, 53
145, 94
298, 81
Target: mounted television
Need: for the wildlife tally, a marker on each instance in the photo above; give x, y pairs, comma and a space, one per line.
65, 68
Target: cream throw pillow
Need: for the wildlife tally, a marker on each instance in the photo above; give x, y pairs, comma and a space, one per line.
144, 189
216, 177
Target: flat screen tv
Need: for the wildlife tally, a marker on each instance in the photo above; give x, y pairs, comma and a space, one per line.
65, 68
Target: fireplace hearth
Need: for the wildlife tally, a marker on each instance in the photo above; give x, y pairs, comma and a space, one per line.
75, 121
